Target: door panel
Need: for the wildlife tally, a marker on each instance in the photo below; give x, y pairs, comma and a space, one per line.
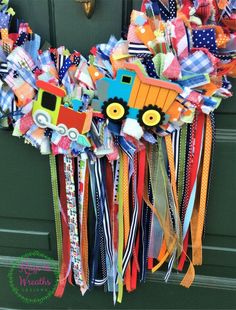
26, 209
37, 13
76, 31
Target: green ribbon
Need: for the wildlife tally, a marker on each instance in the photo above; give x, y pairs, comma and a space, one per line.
56, 207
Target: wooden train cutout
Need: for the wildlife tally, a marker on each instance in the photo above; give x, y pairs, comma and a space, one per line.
133, 95
48, 111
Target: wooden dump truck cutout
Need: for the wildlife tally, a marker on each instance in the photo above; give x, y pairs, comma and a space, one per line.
48, 111
133, 95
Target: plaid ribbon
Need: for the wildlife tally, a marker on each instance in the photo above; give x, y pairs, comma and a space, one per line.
45, 58
195, 81
35, 136
2, 55
198, 62
6, 99
105, 49
66, 81
32, 47
28, 77
11, 79
21, 58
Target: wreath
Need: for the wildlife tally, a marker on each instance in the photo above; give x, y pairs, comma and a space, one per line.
129, 131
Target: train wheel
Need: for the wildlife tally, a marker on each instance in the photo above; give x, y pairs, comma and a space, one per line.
62, 129
41, 118
151, 116
115, 109
73, 134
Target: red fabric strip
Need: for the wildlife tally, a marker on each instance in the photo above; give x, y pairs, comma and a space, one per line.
150, 263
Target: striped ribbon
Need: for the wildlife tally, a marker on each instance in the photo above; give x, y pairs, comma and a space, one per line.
107, 260
103, 228
95, 248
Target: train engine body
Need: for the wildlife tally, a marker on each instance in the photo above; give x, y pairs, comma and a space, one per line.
48, 111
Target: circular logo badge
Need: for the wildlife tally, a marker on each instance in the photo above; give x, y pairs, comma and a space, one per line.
33, 278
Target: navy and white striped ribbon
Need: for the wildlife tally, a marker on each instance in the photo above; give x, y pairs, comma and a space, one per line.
138, 48
175, 146
102, 229
3, 69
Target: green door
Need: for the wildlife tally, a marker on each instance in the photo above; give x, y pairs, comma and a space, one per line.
26, 209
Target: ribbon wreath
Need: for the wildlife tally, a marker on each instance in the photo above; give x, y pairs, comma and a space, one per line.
129, 132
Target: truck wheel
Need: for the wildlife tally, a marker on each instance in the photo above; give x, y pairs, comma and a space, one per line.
115, 109
62, 129
151, 116
73, 134
41, 118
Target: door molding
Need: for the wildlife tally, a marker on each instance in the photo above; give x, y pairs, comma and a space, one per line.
127, 6
52, 23
202, 281
225, 135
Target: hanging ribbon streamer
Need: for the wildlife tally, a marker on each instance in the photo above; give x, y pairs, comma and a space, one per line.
65, 266
197, 221
56, 205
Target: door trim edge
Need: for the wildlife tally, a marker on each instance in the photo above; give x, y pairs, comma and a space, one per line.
202, 281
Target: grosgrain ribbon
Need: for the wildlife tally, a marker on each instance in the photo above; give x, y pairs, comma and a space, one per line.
56, 206
197, 221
